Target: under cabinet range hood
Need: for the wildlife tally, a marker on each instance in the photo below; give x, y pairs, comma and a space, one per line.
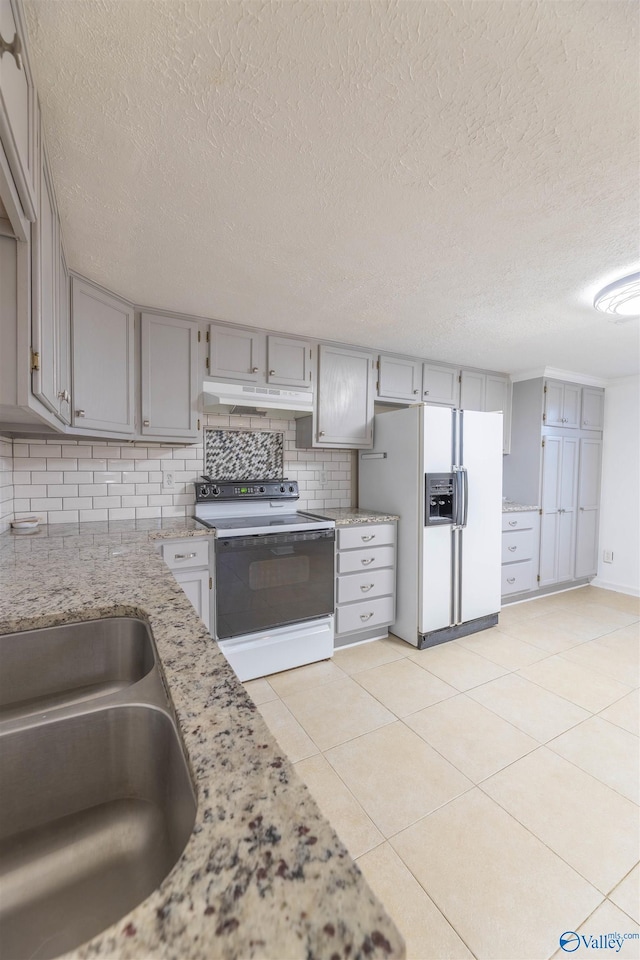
247, 399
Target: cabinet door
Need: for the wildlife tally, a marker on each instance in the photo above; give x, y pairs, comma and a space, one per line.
399, 379
102, 360
571, 405
64, 341
553, 403
289, 362
169, 377
196, 587
472, 390
440, 384
557, 528
592, 408
45, 302
588, 501
345, 398
18, 112
498, 397
236, 354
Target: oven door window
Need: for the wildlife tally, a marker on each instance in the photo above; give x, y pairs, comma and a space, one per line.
270, 581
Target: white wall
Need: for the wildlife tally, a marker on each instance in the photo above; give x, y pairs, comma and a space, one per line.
66, 481
620, 499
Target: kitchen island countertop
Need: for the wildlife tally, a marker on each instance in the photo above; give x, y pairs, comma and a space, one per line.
263, 873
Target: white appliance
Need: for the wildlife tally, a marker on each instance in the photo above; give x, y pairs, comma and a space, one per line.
440, 470
262, 398
274, 575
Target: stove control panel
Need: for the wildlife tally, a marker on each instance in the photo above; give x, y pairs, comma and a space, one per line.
208, 490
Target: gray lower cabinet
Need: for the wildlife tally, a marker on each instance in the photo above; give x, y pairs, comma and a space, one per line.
169, 377
520, 535
103, 360
365, 581
587, 517
188, 561
344, 399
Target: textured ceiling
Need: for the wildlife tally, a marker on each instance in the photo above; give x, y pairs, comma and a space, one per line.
444, 178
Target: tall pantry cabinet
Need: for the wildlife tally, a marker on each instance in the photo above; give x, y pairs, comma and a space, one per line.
555, 461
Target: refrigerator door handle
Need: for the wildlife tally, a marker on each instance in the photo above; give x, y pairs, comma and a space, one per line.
464, 504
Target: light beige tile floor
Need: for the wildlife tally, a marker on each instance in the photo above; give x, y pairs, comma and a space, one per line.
488, 788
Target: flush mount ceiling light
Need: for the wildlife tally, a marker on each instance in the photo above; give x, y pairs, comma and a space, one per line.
621, 299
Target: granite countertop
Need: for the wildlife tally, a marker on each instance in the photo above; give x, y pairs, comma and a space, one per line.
263, 873
511, 506
344, 516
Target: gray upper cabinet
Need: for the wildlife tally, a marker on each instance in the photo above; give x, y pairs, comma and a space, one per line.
440, 384
18, 124
103, 360
45, 298
592, 408
237, 354
399, 379
169, 377
343, 413
63, 391
561, 404
289, 362
489, 392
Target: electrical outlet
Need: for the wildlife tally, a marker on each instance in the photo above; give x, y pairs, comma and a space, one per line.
322, 477
168, 481
607, 556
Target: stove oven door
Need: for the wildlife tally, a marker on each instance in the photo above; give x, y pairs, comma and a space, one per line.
264, 582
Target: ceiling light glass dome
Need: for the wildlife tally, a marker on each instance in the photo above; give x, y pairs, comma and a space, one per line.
621, 299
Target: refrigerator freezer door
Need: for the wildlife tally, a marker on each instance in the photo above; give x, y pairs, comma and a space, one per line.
436, 543
481, 538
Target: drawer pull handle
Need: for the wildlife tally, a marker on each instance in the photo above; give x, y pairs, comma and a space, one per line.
367, 562
512, 549
511, 579
513, 523
183, 556
366, 616
371, 536
366, 587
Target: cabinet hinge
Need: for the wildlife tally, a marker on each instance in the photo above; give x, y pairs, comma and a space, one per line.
377, 364
309, 374
210, 583
545, 390
540, 511
459, 378
199, 336
544, 417
198, 423
310, 353
206, 362
207, 338
377, 386
35, 360
538, 578
543, 443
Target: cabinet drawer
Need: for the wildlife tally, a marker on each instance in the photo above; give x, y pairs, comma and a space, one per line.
527, 520
366, 559
359, 586
367, 613
370, 534
181, 555
517, 577
517, 545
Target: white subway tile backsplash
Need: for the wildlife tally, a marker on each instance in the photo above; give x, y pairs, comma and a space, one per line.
68, 481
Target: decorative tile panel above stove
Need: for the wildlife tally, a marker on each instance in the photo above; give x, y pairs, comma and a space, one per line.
242, 455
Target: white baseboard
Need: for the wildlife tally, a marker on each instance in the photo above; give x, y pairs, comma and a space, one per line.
617, 587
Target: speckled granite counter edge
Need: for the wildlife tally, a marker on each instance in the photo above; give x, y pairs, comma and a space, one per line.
510, 506
263, 873
345, 516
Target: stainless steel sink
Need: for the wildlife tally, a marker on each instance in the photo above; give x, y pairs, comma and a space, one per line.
96, 801
42, 669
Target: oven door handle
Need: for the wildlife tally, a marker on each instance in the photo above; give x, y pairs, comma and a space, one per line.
227, 543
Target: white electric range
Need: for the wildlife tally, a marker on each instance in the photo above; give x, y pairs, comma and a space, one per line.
274, 575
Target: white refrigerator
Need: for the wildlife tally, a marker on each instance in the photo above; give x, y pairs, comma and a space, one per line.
440, 470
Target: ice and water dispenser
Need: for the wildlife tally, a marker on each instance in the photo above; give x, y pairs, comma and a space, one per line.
440, 498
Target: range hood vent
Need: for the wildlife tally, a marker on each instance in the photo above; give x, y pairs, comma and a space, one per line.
245, 398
